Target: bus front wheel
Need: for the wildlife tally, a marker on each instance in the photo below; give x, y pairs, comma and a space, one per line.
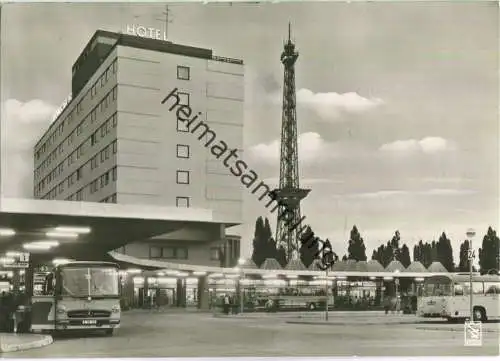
479, 314
109, 332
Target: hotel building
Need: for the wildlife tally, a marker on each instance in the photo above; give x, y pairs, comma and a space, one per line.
114, 141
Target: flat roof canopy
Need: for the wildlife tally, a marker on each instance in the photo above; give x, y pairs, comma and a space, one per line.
111, 226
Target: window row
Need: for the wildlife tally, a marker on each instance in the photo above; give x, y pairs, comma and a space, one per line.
103, 180
79, 152
100, 182
100, 157
79, 109
168, 252
70, 139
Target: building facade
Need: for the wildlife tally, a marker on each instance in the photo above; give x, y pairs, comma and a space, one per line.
115, 141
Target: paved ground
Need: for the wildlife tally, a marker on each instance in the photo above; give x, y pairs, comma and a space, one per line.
201, 335
10, 342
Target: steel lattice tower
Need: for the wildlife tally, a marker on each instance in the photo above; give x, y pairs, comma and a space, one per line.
289, 194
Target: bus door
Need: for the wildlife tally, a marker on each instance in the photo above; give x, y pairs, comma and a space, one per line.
43, 306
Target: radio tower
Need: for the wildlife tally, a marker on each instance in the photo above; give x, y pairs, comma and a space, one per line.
289, 194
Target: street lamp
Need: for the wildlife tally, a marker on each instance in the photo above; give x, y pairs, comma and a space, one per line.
470, 234
241, 262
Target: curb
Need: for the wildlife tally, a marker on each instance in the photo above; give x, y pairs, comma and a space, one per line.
327, 323
43, 341
450, 329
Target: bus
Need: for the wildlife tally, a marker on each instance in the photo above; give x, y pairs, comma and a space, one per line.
78, 296
297, 299
448, 296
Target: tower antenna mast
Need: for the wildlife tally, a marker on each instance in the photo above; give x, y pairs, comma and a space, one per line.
289, 194
167, 20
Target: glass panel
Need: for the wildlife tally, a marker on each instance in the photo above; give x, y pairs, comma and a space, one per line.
104, 282
491, 288
75, 282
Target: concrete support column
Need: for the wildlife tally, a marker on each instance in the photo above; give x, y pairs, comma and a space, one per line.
128, 290
16, 280
181, 292
203, 293
28, 280
146, 303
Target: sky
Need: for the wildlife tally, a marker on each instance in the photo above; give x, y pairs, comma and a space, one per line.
397, 104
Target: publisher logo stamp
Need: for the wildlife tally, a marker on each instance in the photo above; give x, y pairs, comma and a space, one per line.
473, 333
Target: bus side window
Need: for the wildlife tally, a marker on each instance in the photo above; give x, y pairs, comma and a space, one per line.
491, 288
459, 290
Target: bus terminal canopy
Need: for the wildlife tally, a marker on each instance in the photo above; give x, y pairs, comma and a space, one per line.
84, 230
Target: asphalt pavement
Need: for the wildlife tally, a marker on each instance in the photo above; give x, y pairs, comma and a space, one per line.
157, 334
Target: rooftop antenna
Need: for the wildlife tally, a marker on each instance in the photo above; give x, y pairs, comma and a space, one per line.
166, 20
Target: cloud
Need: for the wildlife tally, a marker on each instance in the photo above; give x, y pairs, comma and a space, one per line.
331, 105
427, 145
311, 148
24, 122
398, 193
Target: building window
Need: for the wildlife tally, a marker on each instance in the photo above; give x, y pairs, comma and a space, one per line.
182, 126
114, 174
181, 253
114, 120
79, 195
182, 72
183, 98
93, 163
182, 177
182, 202
115, 147
182, 151
113, 197
93, 186
214, 254
161, 252
155, 252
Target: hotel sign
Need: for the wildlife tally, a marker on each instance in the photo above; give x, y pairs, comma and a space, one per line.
61, 108
145, 32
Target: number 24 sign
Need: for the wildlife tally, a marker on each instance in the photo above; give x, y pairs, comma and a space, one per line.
471, 254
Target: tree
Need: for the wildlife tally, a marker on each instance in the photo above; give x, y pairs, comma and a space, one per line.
445, 252
259, 253
388, 255
344, 258
489, 252
309, 247
433, 251
418, 252
427, 254
404, 256
463, 265
356, 249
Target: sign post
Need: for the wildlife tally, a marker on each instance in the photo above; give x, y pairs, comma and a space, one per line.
470, 234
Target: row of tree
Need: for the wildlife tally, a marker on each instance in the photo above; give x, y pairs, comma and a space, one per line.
264, 246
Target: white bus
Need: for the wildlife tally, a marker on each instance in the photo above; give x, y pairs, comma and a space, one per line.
449, 297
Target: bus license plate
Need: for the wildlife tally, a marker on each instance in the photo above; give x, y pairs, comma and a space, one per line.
89, 322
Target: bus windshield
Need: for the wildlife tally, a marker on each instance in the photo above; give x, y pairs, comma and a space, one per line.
436, 289
92, 281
